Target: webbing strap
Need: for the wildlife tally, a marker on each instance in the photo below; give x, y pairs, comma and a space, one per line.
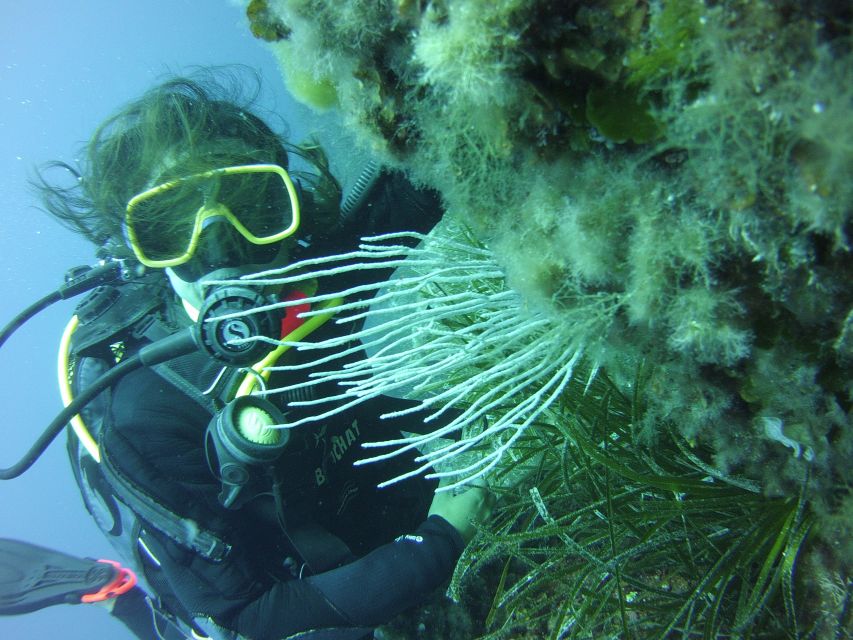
180, 530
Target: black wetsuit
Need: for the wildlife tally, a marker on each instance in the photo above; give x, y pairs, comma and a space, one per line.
348, 555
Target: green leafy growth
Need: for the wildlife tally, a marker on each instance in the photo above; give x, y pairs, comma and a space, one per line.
263, 22
611, 539
620, 114
674, 25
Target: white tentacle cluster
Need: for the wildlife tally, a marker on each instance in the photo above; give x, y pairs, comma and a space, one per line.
444, 331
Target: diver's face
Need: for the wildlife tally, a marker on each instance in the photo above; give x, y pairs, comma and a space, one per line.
222, 254
239, 217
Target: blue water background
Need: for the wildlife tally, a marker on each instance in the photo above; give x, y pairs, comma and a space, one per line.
65, 66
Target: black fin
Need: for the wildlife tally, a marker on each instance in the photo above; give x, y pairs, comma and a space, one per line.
33, 577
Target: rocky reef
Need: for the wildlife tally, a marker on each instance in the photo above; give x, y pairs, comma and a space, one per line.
671, 179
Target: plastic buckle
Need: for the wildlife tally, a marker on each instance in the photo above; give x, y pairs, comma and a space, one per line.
123, 582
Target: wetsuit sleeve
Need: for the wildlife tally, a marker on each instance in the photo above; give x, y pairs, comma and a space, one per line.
395, 576
362, 594
158, 436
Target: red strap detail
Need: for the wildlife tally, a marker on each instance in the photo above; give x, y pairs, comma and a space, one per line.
291, 320
124, 582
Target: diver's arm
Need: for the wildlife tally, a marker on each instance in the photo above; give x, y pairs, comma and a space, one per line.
393, 577
362, 594
156, 433
351, 599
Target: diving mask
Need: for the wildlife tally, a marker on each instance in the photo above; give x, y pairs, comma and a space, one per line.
259, 201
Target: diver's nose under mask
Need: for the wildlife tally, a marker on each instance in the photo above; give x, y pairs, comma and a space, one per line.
194, 293
222, 253
220, 246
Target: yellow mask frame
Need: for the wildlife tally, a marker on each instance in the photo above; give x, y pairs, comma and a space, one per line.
207, 211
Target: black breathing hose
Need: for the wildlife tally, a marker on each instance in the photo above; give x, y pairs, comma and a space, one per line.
173, 346
26, 314
74, 285
214, 332
360, 190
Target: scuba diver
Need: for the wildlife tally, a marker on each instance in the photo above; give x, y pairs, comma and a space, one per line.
230, 528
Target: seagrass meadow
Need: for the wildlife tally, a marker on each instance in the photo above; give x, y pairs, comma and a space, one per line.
646, 263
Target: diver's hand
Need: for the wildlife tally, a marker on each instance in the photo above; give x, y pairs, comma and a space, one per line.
464, 507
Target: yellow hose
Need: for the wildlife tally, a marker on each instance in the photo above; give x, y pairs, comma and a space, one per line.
67, 396
262, 368
246, 387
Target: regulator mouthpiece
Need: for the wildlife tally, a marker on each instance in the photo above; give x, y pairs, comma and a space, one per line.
229, 340
244, 438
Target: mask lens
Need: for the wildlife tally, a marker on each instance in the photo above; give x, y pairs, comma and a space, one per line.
252, 199
260, 201
163, 222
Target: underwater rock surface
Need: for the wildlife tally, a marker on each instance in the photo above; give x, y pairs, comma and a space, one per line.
671, 179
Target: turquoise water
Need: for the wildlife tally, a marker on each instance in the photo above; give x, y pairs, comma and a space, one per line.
63, 68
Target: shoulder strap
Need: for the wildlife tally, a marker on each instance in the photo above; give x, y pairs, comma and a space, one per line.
180, 530
111, 312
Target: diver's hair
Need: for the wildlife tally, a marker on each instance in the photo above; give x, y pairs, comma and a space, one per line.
182, 126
